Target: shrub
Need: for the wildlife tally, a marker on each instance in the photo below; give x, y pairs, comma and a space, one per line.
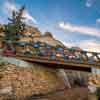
98, 93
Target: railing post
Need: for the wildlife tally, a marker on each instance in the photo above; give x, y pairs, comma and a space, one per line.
97, 57
84, 53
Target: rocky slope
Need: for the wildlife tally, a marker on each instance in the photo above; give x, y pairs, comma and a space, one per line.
33, 81
48, 38
94, 79
19, 83
33, 34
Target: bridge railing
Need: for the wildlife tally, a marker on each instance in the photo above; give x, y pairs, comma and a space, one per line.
57, 53
78, 56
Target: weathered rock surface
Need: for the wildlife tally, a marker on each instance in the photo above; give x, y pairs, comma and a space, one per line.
94, 79
17, 82
49, 39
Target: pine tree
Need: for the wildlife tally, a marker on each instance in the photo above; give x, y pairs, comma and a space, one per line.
15, 25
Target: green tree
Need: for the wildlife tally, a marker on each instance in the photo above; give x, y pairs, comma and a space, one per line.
15, 26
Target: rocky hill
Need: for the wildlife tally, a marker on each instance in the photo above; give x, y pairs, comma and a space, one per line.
47, 38
18, 82
33, 34
37, 81
21, 80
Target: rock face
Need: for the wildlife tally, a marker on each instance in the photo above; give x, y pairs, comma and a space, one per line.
31, 31
48, 38
19, 83
94, 79
32, 34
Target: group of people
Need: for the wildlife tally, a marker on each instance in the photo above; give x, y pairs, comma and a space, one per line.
46, 50
54, 53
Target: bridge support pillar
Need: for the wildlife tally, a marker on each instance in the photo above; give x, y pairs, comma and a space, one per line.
62, 74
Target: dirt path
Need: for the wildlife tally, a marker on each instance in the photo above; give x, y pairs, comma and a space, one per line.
66, 94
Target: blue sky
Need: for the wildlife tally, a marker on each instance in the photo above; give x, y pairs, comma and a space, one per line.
74, 22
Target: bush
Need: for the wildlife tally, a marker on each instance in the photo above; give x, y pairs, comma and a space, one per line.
98, 93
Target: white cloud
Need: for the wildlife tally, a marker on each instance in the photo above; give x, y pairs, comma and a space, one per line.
9, 7
98, 20
69, 44
88, 3
29, 17
80, 29
88, 45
